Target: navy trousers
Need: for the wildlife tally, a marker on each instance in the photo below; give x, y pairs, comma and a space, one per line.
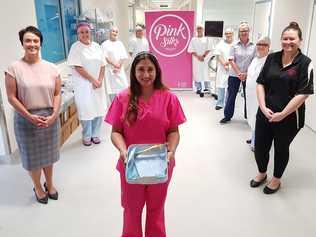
232, 90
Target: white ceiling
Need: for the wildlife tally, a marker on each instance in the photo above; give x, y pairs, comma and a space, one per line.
158, 4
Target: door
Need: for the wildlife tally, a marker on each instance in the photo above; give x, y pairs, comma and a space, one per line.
262, 19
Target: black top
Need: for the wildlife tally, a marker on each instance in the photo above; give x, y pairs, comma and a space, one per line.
282, 84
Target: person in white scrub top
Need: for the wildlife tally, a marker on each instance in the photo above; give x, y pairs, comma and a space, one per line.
222, 49
87, 62
199, 47
115, 55
262, 51
138, 43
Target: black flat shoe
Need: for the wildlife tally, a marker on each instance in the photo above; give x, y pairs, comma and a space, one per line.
43, 200
268, 190
254, 183
218, 107
248, 141
53, 196
224, 120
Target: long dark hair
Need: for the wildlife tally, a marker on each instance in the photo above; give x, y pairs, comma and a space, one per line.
293, 26
135, 88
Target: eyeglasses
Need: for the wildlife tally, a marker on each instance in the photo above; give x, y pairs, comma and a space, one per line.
262, 44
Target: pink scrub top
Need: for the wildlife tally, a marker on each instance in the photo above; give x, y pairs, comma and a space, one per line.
155, 117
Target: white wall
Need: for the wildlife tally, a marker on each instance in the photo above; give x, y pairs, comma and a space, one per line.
285, 11
229, 11
311, 102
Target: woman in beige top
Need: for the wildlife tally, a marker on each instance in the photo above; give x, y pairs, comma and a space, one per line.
33, 89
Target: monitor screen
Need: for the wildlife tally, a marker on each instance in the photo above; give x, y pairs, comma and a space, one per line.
214, 28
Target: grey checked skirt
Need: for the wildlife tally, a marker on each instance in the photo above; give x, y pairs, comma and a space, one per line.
39, 147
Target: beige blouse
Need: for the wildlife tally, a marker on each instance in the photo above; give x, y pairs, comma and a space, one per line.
35, 83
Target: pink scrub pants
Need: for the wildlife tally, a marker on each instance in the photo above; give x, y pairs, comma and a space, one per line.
134, 197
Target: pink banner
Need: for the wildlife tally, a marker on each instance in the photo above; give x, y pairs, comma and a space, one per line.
169, 34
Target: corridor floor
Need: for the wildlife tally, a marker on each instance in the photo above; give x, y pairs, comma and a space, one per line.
209, 194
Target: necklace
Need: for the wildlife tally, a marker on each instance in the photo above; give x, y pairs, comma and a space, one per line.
287, 62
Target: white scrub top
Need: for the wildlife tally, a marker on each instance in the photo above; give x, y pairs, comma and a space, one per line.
137, 45
199, 45
90, 103
222, 49
251, 95
115, 51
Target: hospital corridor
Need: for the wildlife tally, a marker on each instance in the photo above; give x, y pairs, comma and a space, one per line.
158, 118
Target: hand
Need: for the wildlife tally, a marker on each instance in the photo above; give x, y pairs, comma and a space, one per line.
242, 76
37, 120
49, 120
117, 66
267, 112
226, 67
115, 70
277, 117
96, 84
201, 58
123, 156
170, 156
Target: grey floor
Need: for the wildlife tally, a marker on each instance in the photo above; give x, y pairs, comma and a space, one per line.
209, 194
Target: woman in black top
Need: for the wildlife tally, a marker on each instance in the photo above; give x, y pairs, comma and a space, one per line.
284, 84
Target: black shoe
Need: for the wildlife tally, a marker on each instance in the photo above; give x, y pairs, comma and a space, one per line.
198, 92
53, 196
268, 190
201, 94
43, 200
248, 141
218, 107
224, 120
215, 96
254, 183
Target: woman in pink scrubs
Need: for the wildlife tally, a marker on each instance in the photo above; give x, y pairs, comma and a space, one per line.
147, 112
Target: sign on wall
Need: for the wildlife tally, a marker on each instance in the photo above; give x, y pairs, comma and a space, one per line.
169, 34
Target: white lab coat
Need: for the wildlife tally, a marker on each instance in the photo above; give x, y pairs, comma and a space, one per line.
90, 103
222, 49
253, 72
115, 51
199, 45
137, 45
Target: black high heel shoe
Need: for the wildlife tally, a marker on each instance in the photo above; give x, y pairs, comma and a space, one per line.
268, 190
53, 196
43, 200
254, 183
